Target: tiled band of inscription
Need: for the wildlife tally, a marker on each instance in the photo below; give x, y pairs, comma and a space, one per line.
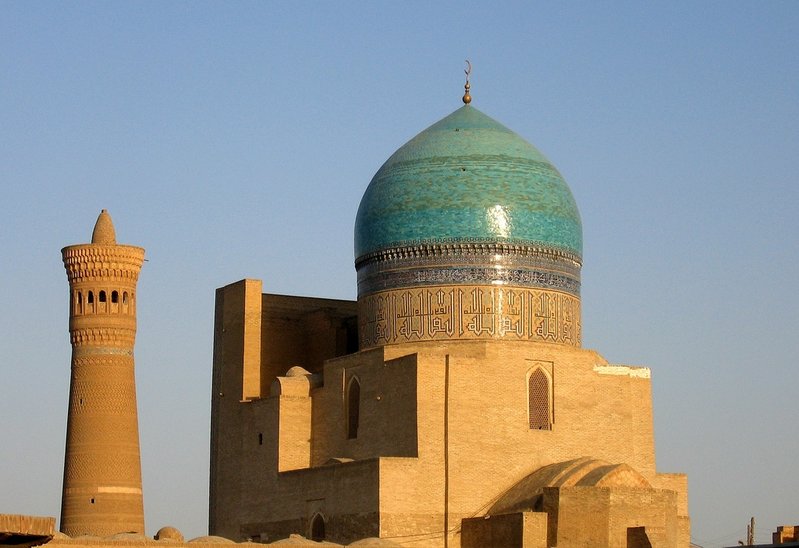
474, 275
468, 312
469, 263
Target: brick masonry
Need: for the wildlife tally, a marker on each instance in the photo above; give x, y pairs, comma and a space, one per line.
443, 434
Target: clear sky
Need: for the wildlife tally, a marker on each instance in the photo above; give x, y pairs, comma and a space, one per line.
234, 140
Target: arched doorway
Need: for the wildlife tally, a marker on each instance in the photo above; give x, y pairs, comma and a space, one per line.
317, 527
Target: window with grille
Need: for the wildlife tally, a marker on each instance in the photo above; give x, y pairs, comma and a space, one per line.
538, 398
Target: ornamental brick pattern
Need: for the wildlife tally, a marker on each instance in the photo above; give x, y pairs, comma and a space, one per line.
468, 291
468, 313
469, 263
102, 492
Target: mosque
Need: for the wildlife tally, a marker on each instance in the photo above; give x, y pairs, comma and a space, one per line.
452, 404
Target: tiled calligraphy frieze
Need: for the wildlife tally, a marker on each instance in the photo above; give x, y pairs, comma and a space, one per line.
468, 312
473, 264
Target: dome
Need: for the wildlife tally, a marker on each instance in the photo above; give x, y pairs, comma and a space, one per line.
467, 178
467, 232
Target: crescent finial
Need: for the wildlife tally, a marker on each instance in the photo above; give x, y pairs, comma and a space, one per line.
468, 70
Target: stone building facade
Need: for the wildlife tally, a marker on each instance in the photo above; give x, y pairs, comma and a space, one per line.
452, 404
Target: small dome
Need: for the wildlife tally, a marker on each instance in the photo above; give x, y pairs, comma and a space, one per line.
211, 539
169, 533
467, 178
297, 371
104, 232
130, 537
375, 542
299, 540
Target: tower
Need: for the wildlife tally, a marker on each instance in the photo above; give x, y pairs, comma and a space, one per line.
102, 492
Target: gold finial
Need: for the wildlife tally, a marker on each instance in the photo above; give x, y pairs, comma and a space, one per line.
466, 97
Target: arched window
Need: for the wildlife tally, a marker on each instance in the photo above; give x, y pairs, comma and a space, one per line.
102, 296
353, 407
80, 302
317, 527
91, 297
539, 400
124, 297
114, 297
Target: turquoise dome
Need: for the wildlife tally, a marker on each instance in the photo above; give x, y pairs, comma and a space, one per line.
467, 178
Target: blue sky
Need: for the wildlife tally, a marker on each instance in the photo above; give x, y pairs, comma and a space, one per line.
234, 140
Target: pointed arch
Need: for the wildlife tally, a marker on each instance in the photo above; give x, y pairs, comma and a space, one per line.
539, 400
353, 407
317, 529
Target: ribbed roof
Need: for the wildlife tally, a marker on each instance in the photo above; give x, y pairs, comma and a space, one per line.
467, 178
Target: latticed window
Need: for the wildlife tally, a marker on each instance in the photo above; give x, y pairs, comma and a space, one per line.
538, 395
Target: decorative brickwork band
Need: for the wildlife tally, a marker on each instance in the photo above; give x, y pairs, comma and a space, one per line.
92, 262
468, 290
469, 263
435, 252
468, 312
488, 275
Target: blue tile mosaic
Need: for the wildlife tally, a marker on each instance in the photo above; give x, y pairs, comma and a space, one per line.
467, 178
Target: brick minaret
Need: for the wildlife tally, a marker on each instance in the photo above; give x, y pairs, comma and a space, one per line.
102, 468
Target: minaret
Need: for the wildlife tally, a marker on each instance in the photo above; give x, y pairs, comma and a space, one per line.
102, 468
